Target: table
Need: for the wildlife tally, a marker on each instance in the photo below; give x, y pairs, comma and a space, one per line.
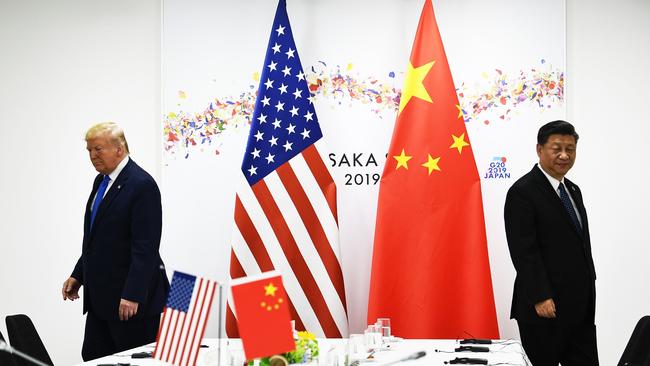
333, 351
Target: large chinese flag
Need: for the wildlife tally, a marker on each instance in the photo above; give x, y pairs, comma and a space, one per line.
430, 267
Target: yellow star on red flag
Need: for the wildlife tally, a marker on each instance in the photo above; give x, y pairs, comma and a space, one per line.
460, 111
431, 164
270, 289
402, 160
459, 142
413, 84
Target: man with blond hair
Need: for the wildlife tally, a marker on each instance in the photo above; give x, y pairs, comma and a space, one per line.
124, 279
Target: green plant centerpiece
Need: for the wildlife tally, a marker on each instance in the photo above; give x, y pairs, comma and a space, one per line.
306, 351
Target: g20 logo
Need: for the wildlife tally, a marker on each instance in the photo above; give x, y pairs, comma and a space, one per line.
497, 169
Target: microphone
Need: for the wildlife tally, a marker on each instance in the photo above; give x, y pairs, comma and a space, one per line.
472, 349
467, 361
4, 347
414, 356
475, 341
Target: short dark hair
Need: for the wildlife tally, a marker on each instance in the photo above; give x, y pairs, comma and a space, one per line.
558, 127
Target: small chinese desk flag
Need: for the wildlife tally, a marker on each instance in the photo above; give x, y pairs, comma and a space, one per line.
262, 311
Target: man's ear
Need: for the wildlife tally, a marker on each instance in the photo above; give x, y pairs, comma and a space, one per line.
539, 150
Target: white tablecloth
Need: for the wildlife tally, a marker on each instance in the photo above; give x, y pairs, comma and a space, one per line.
502, 352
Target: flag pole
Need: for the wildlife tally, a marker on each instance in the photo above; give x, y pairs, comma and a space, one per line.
221, 323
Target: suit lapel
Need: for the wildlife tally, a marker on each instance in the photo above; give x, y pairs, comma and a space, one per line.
553, 197
112, 193
577, 198
574, 191
89, 204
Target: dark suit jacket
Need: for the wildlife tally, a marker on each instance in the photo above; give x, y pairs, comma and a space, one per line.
551, 256
119, 257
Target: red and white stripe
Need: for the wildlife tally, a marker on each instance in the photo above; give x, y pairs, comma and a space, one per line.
180, 333
288, 222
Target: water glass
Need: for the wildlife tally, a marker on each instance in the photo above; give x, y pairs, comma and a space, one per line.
356, 347
235, 356
335, 356
384, 326
373, 336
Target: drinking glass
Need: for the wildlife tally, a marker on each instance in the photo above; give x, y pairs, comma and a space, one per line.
356, 347
235, 356
384, 326
373, 336
335, 356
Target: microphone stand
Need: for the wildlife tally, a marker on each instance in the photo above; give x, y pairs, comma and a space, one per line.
4, 347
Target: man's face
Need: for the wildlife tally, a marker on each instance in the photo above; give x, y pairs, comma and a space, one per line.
557, 155
104, 155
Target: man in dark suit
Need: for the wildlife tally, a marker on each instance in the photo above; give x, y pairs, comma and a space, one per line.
548, 237
124, 279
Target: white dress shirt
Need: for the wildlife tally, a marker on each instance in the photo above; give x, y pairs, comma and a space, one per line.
112, 176
556, 186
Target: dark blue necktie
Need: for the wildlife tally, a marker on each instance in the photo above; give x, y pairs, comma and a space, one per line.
566, 201
98, 198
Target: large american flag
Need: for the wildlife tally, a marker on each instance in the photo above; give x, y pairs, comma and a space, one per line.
183, 322
285, 209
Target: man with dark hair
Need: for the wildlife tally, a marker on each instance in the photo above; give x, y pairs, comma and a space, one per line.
548, 236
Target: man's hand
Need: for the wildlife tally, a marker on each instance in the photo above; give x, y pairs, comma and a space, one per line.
546, 308
70, 289
128, 309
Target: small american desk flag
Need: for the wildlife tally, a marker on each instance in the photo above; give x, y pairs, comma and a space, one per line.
184, 319
285, 209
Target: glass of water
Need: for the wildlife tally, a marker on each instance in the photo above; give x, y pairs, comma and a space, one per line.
356, 347
373, 336
384, 326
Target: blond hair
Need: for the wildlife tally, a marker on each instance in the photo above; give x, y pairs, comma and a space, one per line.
112, 130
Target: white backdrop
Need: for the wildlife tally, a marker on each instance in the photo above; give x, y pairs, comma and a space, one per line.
510, 83
70, 63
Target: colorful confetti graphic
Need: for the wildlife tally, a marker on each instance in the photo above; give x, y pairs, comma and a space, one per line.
498, 95
341, 85
185, 131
